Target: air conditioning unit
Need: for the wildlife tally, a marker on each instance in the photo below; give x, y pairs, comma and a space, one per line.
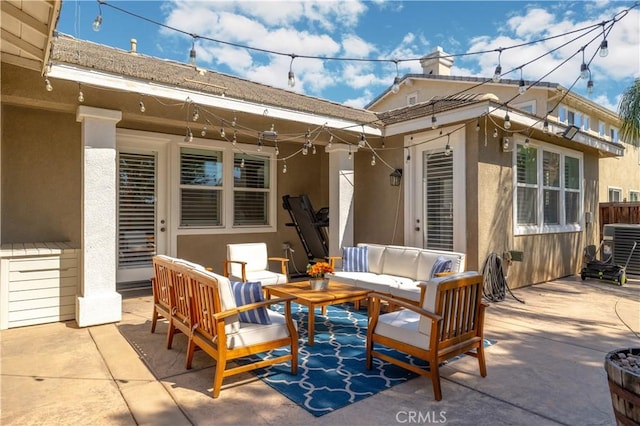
618, 239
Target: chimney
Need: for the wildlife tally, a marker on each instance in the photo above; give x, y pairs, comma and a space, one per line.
134, 46
436, 63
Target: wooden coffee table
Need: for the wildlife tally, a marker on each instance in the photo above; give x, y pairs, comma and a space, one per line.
335, 294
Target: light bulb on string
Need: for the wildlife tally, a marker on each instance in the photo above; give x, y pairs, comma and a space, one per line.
222, 132
330, 144
242, 164
545, 125
507, 121
188, 137
234, 140
277, 150
192, 52
505, 143
522, 88
527, 143
47, 85
284, 168
590, 86
434, 122
373, 160
478, 125
363, 141
204, 131
604, 44
584, 68
97, 23
495, 133
196, 114
233, 122
142, 107
305, 150
498, 72
395, 88
80, 94
313, 149
291, 75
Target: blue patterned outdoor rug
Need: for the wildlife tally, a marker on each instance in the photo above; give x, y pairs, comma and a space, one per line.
332, 373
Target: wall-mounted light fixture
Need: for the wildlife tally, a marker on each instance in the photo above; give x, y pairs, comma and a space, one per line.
569, 132
395, 177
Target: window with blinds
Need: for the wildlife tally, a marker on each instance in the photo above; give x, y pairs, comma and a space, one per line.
136, 210
438, 200
251, 190
549, 192
201, 187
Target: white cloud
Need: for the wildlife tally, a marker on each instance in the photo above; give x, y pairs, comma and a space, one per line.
354, 46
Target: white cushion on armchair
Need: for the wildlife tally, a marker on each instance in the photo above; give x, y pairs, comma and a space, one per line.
257, 264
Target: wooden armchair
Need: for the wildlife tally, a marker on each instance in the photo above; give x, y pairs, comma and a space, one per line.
448, 323
218, 332
249, 262
160, 284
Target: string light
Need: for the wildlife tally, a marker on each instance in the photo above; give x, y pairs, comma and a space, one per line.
189, 136
527, 143
604, 44
196, 114
233, 122
313, 149
373, 160
584, 68
363, 141
521, 86
396, 81
80, 94
234, 139
478, 125
498, 72
192, 52
291, 76
507, 121
47, 85
330, 144
495, 133
447, 149
505, 143
590, 85
284, 168
97, 23
545, 125
242, 164
222, 132
142, 107
434, 122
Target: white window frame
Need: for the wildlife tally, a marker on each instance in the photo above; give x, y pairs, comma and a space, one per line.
540, 227
228, 152
528, 106
585, 120
636, 193
616, 190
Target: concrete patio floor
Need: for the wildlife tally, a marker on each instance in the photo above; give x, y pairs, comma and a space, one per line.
546, 369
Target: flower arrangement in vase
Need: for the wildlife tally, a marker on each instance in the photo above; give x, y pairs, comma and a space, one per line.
317, 271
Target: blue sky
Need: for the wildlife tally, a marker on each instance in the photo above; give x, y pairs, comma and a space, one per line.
375, 32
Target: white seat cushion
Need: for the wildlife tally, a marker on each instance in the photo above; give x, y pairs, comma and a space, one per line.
266, 278
252, 334
402, 325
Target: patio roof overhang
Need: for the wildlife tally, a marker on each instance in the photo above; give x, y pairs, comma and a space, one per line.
143, 87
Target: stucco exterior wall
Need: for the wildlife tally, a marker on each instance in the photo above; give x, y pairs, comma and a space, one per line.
41, 176
379, 206
621, 172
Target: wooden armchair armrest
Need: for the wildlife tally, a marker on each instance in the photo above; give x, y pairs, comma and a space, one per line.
406, 305
224, 314
332, 260
227, 271
283, 263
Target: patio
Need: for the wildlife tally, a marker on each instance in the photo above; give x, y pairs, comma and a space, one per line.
546, 368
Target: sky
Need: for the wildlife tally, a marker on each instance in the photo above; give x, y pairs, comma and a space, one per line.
256, 40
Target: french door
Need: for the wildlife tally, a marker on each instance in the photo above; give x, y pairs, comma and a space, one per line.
435, 217
142, 227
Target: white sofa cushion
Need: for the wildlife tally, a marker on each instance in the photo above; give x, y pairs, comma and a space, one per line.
227, 300
375, 253
401, 261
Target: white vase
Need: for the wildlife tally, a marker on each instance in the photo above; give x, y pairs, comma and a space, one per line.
319, 283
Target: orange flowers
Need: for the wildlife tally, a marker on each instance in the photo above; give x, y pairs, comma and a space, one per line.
317, 270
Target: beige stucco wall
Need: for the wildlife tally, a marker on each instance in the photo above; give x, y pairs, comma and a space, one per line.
622, 172
379, 207
41, 176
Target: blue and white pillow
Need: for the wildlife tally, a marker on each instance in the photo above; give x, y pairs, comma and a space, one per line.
442, 264
355, 259
247, 293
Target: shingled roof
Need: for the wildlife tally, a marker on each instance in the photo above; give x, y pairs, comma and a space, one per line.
82, 53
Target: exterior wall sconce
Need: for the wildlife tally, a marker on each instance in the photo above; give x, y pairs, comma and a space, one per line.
569, 132
395, 177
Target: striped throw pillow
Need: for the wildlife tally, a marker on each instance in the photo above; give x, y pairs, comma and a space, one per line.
355, 259
442, 264
247, 293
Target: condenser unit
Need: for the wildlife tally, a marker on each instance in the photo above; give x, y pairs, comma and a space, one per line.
618, 239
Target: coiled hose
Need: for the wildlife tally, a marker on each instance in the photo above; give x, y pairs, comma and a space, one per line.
495, 287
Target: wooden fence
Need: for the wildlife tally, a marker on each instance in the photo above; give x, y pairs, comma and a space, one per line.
618, 212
